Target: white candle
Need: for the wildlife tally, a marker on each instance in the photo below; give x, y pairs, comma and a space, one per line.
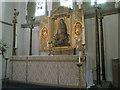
6, 56
83, 30
83, 36
79, 56
79, 59
16, 38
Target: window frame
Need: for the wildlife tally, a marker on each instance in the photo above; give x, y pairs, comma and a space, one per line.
44, 9
98, 2
65, 5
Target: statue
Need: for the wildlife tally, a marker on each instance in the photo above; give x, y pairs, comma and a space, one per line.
62, 37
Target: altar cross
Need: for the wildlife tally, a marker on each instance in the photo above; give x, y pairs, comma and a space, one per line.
31, 27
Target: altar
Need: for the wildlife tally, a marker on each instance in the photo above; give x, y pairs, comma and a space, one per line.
48, 70
62, 35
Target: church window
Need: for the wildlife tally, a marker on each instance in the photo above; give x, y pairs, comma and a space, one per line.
67, 3
98, 1
40, 7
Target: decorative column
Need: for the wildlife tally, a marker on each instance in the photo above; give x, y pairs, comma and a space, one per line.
14, 30
102, 45
97, 46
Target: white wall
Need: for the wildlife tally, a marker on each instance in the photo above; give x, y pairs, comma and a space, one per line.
111, 42
7, 31
90, 42
21, 7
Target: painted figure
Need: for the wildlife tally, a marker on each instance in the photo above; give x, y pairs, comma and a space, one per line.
62, 37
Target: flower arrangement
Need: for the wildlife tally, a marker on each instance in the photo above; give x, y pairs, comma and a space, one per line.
3, 48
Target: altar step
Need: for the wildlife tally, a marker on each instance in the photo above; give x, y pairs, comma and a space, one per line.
8, 85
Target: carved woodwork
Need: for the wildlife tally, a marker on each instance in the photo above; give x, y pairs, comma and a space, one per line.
64, 29
44, 33
63, 51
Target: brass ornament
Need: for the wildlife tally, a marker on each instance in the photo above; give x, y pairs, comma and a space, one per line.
78, 30
44, 33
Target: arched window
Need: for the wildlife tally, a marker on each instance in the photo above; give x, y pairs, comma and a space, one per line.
67, 3
98, 1
40, 7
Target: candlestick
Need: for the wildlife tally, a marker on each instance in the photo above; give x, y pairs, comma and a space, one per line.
6, 58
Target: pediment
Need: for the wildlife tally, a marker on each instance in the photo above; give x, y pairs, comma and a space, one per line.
61, 10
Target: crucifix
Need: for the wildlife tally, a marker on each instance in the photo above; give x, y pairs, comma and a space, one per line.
14, 30
31, 27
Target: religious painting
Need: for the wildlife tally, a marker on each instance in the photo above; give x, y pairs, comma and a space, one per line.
62, 37
78, 29
44, 33
62, 27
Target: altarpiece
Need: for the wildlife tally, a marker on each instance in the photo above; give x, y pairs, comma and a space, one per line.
63, 32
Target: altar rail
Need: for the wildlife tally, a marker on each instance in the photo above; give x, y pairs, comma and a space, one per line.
56, 70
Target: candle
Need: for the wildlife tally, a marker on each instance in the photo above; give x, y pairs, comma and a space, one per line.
83, 30
79, 59
6, 56
83, 36
79, 56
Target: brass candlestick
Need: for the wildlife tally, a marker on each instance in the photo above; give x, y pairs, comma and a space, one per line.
102, 45
14, 30
80, 64
6, 59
